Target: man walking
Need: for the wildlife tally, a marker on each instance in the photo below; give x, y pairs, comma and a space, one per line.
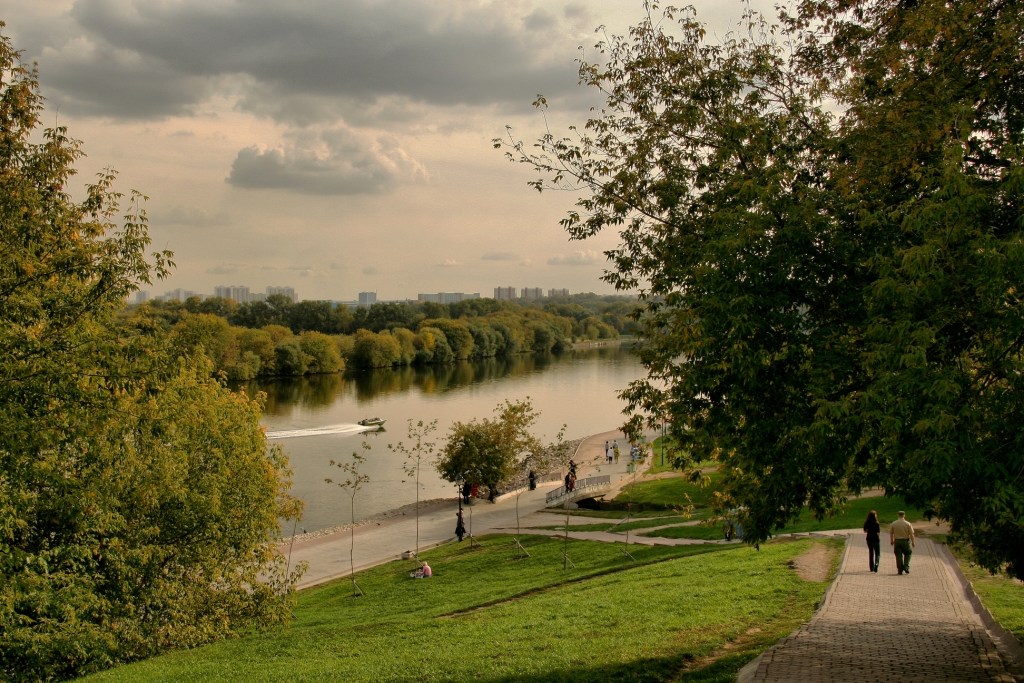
901, 538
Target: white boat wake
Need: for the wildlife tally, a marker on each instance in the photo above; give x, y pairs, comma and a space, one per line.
347, 428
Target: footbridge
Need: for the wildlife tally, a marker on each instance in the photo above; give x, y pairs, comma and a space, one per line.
591, 487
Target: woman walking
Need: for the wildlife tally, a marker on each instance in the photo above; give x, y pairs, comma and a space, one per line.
873, 530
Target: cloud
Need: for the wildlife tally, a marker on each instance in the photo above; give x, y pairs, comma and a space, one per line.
146, 60
225, 269
191, 216
333, 162
578, 258
498, 256
449, 263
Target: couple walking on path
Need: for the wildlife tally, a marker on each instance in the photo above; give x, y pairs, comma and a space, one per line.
901, 538
879, 627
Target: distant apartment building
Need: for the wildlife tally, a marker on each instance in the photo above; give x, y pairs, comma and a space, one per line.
504, 293
446, 297
237, 293
367, 298
179, 295
288, 292
141, 296
552, 293
531, 293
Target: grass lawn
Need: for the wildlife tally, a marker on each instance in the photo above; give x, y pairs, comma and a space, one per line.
490, 613
852, 517
642, 523
671, 492
1003, 596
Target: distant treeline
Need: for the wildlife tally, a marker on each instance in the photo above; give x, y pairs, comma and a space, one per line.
279, 338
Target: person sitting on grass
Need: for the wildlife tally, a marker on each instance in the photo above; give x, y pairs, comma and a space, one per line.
424, 572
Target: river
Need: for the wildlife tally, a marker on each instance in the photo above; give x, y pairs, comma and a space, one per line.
314, 419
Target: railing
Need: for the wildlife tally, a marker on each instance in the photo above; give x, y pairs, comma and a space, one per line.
582, 486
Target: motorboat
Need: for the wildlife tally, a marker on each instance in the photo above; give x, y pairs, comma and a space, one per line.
372, 422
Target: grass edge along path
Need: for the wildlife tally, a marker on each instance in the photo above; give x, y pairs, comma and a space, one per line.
491, 614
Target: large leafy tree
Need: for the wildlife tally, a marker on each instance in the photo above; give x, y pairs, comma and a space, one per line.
138, 504
823, 218
494, 451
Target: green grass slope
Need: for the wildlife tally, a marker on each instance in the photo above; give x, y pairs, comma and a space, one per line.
492, 614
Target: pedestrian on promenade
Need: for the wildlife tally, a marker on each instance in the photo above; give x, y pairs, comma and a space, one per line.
901, 538
615, 449
532, 477
460, 526
873, 530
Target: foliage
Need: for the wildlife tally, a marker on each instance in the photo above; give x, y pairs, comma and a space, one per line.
232, 335
850, 516
492, 451
456, 333
139, 505
488, 616
290, 359
375, 350
823, 219
322, 353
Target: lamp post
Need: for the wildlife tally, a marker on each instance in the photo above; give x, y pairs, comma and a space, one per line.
662, 442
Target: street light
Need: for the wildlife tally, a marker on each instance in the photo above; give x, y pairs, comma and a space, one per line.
662, 442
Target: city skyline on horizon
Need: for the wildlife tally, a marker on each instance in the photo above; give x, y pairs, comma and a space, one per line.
362, 297
334, 146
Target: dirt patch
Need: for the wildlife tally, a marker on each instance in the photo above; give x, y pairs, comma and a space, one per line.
815, 564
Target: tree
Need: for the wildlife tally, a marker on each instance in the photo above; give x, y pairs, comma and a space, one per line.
491, 451
456, 333
208, 334
321, 351
414, 452
826, 236
139, 504
290, 359
354, 480
375, 350
318, 316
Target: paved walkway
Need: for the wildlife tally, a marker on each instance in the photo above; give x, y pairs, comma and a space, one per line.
328, 555
870, 628
916, 628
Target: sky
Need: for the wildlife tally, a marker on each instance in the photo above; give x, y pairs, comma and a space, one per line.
333, 146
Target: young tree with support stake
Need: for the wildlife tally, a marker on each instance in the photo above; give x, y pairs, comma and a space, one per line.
824, 221
415, 451
354, 480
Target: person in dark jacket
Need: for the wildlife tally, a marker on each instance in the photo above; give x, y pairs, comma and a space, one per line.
873, 530
460, 525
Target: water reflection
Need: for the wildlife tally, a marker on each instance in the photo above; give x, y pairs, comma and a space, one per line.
577, 389
283, 395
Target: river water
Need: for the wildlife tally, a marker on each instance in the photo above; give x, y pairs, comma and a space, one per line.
314, 419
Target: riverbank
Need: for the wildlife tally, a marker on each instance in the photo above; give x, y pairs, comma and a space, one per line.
389, 535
